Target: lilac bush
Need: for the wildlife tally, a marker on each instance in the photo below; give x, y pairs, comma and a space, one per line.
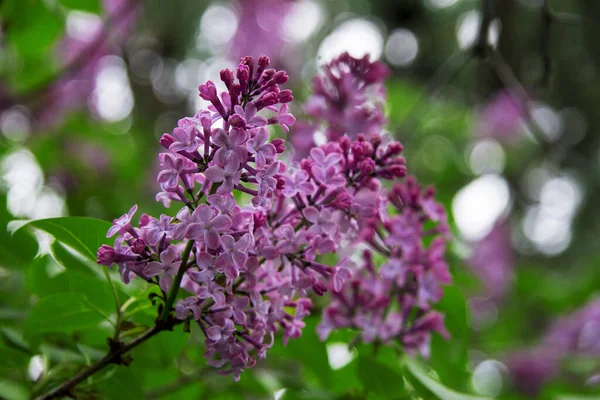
248, 239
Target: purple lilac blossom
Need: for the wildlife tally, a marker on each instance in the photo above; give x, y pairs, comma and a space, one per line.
254, 265
502, 118
348, 99
575, 334
492, 262
81, 59
393, 303
261, 31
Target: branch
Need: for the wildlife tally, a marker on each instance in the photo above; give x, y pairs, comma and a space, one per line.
115, 353
177, 281
38, 94
510, 81
545, 43
113, 356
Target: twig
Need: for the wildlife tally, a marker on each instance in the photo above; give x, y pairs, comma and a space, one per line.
177, 281
67, 386
115, 353
510, 81
547, 18
38, 94
566, 18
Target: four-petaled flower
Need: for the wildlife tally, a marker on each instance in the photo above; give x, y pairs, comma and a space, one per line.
234, 256
230, 146
262, 150
207, 228
186, 139
167, 268
297, 184
123, 223
229, 175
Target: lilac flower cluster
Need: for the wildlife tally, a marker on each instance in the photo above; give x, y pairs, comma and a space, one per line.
393, 303
249, 267
81, 60
571, 335
348, 99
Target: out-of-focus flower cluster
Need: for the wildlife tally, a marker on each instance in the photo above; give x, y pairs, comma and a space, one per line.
575, 334
348, 99
81, 55
250, 267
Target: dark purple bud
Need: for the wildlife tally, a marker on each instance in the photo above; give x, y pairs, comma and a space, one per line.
249, 61
263, 63
138, 246
227, 77
345, 144
280, 183
106, 255
280, 77
166, 140
393, 149
279, 144
208, 91
234, 92
285, 96
319, 287
243, 75
268, 99
367, 166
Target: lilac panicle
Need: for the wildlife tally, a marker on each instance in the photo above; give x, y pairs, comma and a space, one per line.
253, 266
348, 99
571, 335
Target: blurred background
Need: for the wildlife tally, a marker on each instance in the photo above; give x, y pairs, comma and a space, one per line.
495, 102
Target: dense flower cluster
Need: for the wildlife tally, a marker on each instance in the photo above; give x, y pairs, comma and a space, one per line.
250, 266
348, 99
394, 302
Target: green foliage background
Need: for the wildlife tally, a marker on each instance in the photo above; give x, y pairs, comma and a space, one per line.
59, 305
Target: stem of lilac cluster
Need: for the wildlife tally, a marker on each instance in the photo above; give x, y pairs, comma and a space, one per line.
249, 168
177, 281
244, 189
117, 304
66, 387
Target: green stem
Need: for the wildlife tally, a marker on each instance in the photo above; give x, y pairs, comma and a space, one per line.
177, 282
117, 303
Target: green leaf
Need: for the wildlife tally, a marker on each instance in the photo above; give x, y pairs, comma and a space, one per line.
18, 250
449, 357
70, 261
32, 27
13, 391
92, 6
123, 384
82, 234
432, 385
380, 378
63, 312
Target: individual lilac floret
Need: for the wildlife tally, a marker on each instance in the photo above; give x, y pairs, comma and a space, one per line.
572, 335
123, 224
167, 268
